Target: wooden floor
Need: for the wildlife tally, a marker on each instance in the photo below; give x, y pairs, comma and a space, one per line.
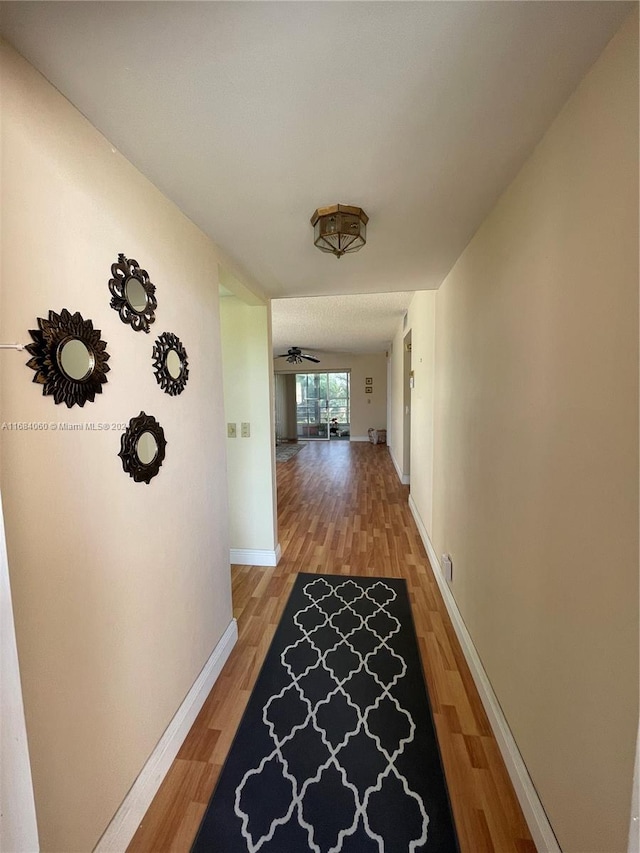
342, 509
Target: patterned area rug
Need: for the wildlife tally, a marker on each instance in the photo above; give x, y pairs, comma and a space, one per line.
336, 751
284, 452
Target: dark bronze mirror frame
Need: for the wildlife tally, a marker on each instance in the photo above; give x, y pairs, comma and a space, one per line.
143, 423
127, 269
49, 341
164, 345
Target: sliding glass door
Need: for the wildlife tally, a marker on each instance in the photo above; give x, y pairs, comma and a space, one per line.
338, 405
311, 405
322, 404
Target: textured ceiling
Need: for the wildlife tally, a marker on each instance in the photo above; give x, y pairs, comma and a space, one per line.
353, 323
249, 115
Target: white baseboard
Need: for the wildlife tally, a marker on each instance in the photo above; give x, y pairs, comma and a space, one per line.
126, 820
255, 557
359, 438
404, 478
634, 824
534, 813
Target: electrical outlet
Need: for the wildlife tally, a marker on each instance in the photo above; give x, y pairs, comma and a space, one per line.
447, 567
245, 430
231, 431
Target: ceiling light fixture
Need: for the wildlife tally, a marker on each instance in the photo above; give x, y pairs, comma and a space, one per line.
339, 229
294, 355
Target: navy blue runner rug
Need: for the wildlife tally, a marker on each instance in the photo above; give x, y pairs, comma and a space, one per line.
336, 751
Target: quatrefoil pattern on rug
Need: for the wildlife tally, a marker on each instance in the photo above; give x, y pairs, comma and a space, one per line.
334, 758
344, 646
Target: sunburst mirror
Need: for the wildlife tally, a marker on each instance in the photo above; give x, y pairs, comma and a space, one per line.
132, 294
69, 358
142, 448
170, 363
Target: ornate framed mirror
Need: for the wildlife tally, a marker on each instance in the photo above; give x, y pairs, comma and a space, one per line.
69, 358
132, 294
170, 363
142, 448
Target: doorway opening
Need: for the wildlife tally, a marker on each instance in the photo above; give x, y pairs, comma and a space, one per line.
323, 405
406, 420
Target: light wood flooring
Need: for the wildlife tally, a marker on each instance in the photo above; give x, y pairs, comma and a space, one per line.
342, 509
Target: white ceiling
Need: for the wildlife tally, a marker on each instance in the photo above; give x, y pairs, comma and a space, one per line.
249, 115
351, 323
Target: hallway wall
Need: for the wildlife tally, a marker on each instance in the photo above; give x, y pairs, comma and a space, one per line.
285, 404
121, 590
421, 320
395, 426
535, 430
247, 372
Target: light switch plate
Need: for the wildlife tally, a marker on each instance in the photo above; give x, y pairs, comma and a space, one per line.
245, 430
231, 431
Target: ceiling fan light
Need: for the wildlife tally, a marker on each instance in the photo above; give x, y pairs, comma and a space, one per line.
339, 229
294, 355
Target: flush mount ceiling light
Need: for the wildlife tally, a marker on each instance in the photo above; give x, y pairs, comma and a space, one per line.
339, 229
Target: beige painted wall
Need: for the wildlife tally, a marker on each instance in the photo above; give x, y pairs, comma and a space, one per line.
285, 390
535, 490
367, 410
395, 428
247, 398
421, 321
121, 590
281, 411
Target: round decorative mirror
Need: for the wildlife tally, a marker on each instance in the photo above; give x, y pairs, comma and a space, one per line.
75, 359
69, 358
136, 294
132, 294
173, 364
170, 363
146, 448
142, 448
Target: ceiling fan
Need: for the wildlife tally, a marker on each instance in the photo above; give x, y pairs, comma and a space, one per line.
295, 355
